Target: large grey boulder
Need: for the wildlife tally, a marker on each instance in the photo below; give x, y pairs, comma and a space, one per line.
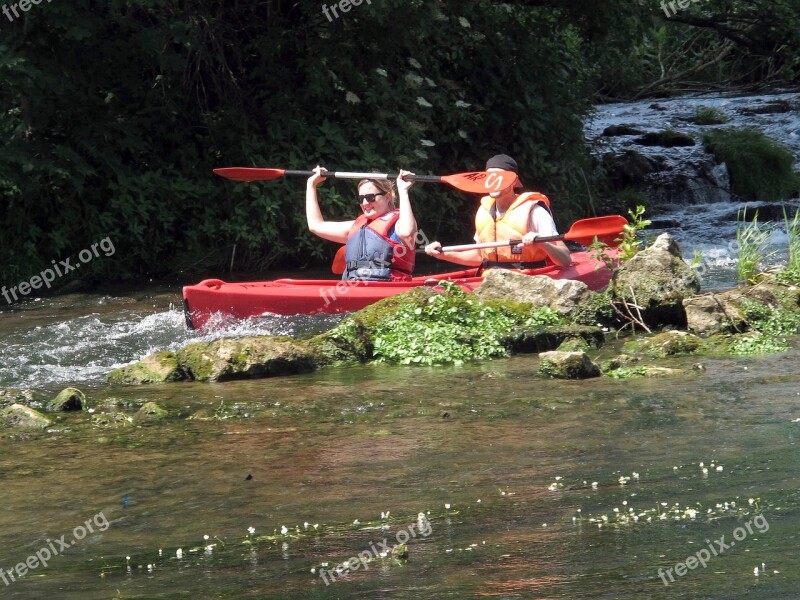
562, 295
657, 280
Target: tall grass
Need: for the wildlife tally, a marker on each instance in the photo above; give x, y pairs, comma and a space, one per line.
752, 238
791, 274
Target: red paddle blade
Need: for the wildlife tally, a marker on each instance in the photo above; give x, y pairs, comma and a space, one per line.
481, 182
339, 264
249, 173
605, 229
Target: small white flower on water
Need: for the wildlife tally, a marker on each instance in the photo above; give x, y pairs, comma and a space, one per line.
284, 546
251, 530
179, 553
635, 475
128, 558
674, 468
574, 519
447, 506
284, 531
624, 503
424, 103
463, 22
616, 510
428, 143
313, 570
594, 485
305, 525
702, 465
351, 98
750, 501
356, 522
755, 571
414, 63
90, 411
552, 487
479, 500
705, 471
316, 525
160, 552
149, 567
324, 564
205, 537
382, 72
462, 104
544, 524
719, 469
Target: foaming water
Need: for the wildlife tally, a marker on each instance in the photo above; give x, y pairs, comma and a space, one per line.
81, 338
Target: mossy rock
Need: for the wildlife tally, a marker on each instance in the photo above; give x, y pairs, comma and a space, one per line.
23, 418
161, 367
567, 365
150, 413
400, 552
111, 420
662, 345
244, 358
351, 341
547, 338
69, 399
596, 309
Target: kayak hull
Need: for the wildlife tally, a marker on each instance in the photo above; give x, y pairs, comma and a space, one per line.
313, 296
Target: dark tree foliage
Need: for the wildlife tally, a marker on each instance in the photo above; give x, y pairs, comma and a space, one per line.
112, 115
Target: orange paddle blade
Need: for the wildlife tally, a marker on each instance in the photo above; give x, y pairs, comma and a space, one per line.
339, 264
249, 173
480, 182
606, 229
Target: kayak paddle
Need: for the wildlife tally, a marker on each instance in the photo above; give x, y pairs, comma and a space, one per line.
476, 182
606, 229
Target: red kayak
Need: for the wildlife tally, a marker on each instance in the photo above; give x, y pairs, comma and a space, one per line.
313, 296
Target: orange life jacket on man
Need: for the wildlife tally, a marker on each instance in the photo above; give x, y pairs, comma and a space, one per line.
372, 255
511, 226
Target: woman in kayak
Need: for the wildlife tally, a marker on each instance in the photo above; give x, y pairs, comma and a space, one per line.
504, 215
380, 242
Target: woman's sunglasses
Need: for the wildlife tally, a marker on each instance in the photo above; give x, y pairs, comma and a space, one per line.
369, 197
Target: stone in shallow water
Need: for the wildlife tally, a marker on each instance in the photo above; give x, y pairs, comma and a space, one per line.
22, 417
567, 365
69, 399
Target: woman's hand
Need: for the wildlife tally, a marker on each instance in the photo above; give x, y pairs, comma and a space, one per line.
404, 185
317, 177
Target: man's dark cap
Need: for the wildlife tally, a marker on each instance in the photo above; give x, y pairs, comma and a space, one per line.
506, 163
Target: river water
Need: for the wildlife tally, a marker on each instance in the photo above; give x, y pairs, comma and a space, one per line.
528, 488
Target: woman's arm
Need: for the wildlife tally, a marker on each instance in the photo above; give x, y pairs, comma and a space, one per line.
406, 226
541, 225
335, 231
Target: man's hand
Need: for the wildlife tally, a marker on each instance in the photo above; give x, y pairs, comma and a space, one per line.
434, 249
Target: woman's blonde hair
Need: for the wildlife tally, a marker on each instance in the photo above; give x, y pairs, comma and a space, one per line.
385, 185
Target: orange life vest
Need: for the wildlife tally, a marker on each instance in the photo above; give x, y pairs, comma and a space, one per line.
511, 226
372, 255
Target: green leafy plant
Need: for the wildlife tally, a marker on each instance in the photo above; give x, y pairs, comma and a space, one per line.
451, 327
791, 274
631, 242
752, 239
769, 328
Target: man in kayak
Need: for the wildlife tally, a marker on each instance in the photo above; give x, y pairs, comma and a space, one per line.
504, 215
380, 242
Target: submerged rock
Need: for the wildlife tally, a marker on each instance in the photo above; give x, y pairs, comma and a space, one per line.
160, 367
657, 280
669, 343
567, 365
561, 295
243, 358
68, 399
22, 417
549, 338
111, 420
150, 413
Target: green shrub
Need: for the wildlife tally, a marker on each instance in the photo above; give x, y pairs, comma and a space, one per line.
709, 115
752, 239
760, 168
